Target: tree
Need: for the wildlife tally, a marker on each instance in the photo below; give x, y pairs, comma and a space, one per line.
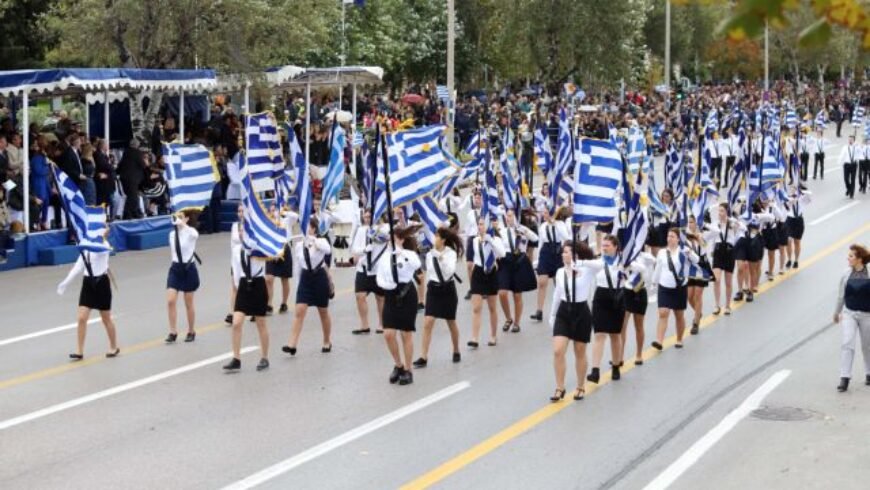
22, 43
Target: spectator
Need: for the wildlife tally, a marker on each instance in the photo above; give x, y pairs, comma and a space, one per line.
14, 153
131, 173
105, 173
39, 177
88, 187
70, 160
4, 159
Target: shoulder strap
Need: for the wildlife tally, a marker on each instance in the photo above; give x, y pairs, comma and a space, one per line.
567, 292
87, 263
246, 264
673, 269
437, 266
607, 274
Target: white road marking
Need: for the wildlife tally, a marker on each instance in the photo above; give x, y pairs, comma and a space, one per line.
694, 453
60, 407
345, 438
833, 213
47, 331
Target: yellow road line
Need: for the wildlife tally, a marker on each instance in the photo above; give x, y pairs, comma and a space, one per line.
518, 428
125, 350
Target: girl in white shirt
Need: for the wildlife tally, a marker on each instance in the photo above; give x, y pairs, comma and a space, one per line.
671, 274
515, 272
313, 288
396, 278
726, 232
368, 247
794, 224
183, 275
552, 234
249, 274
235, 241
486, 250
441, 296
636, 302
96, 294
281, 267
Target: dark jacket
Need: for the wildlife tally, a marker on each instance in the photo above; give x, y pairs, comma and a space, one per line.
131, 169
106, 185
70, 163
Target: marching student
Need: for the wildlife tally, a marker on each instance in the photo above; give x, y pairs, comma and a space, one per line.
799, 199
183, 274
864, 166
472, 218
281, 267
636, 302
804, 154
313, 288
671, 274
849, 156
730, 147
95, 294
515, 272
659, 224
396, 274
441, 296
852, 312
749, 252
726, 233
773, 233
543, 202
249, 275
235, 241
817, 146
552, 234
700, 274
368, 246
570, 316
716, 147
486, 250
608, 308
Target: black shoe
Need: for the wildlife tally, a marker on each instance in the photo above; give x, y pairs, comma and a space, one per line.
594, 376
421, 307
515, 328
795, 265
233, 365
468, 295
171, 338
457, 357
253, 318
866, 379
406, 378
657, 346
615, 375
537, 316
289, 350
506, 326
558, 395
282, 308
420, 363
229, 319
788, 265
269, 310
190, 337
361, 331
738, 296
844, 385
76, 357
749, 297
326, 349
263, 364
694, 330
394, 376
472, 344
113, 353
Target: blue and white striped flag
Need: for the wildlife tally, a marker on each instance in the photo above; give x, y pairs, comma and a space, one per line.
474, 147
612, 134
858, 117
712, 123
190, 175
597, 177
431, 216
442, 93
302, 193
284, 189
417, 164
564, 158
490, 205
637, 223
543, 152
509, 188
262, 234
265, 159
468, 171
88, 222
358, 139
655, 201
636, 149
791, 119
674, 170
334, 178
821, 121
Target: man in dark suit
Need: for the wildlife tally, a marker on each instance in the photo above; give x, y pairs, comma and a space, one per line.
131, 172
70, 161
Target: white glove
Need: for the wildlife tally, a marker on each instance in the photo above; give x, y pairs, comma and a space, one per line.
61, 288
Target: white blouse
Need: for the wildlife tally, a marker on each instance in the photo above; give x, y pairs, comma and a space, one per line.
579, 289
258, 266
446, 263
682, 258
516, 239
488, 244
318, 249
407, 264
187, 237
99, 266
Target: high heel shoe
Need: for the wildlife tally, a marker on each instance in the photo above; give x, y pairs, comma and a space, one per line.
114, 353
326, 349
594, 376
657, 346
615, 374
473, 344
76, 357
289, 350
694, 330
579, 393
844, 385
171, 338
537, 316
558, 395
190, 337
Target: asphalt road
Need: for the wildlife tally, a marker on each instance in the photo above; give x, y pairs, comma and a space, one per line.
164, 416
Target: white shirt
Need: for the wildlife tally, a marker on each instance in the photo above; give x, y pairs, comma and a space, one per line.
446, 262
489, 243
584, 278
407, 264
99, 266
555, 232
681, 257
318, 249
451, 204
471, 223
288, 220
638, 270
714, 146
258, 266
850, 154
187, 236
516, 239
601, 275
730, 232
235, 236
817, 145
368, 247
797, 204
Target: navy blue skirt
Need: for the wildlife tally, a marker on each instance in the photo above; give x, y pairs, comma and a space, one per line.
672, 298
549, 259
313, 288
515, 273
183, 277
281, 267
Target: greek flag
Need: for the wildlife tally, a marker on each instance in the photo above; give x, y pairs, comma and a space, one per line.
302, 194
442, 93
791, 119
417, 164
468, 170
490, 204
284, 189
564, 157
612, 134
597, 176
712, 123
655, 200
190, 174
636, 149
474, 146
357, 140
705, 179
858, 117
508, 182
262, 235
702, 200
334, 178
265, 160
738, 171
431, 217
674, 170
771, 171
637, 223
820, 121
88, 222
543, 153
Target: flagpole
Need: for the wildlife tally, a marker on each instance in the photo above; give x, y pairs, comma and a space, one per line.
573, 224
387, 189
374, 170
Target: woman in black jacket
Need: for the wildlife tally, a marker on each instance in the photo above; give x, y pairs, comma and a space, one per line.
105, 175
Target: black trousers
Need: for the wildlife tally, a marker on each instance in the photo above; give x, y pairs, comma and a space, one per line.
819, 165
805, 165
716, 170
850, 171
839, 127
131, 203
863, 175
729, 164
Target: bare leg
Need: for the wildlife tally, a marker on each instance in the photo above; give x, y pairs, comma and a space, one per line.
493, 318
476, 312
662, 325
263, 332
560, 346
518, 307
106, 316
190, 309
639, 336
270, 288
298, 319
392, 345
505, 304
454, 334
421, 289
797, 250
326, 325
580, 363
408, 347
172, 309
615, 348
362, 309
82, 328
428, 323
285, 290
238, 319
681, 324
728, 289
598, 349
380, 302
717, 287
543, 282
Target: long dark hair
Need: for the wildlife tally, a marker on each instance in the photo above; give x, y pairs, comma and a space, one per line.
409, 236
581, 251
451, 239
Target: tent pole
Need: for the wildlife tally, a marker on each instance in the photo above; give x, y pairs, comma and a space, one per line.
307, 122
181, 116
106, 133
353, 109
87, 119
25, 158
247, 108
